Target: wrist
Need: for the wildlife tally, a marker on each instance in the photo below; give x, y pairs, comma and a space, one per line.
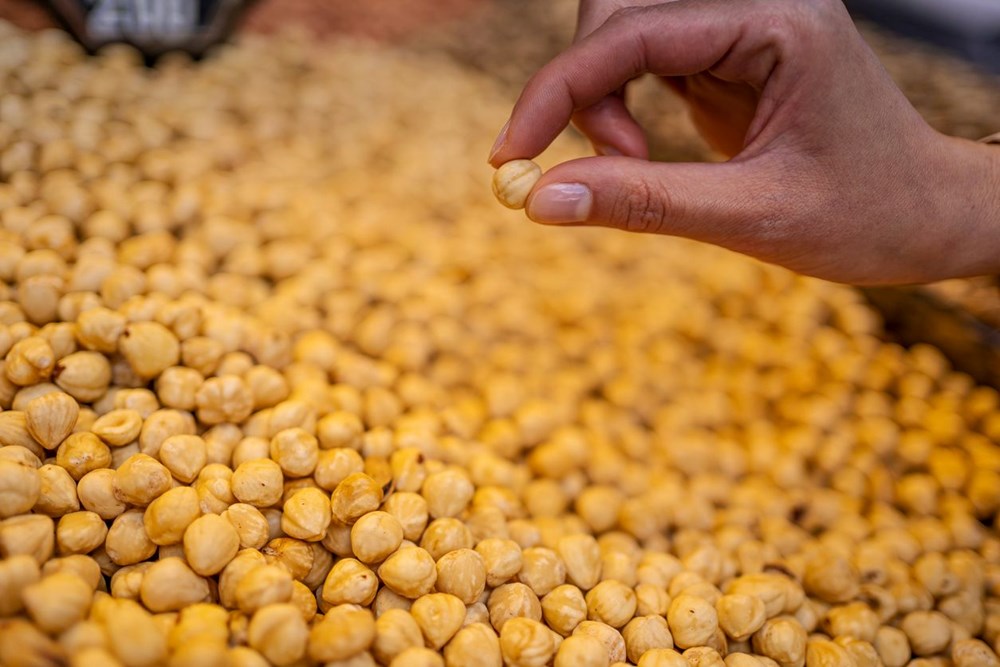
967, 187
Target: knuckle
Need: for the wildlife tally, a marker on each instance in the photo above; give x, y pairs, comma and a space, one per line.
780, 22
628, 15
642, 207
776, 25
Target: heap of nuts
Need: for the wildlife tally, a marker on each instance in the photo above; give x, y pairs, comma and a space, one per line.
281, 386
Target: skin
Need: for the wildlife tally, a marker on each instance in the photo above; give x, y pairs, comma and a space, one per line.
832, 172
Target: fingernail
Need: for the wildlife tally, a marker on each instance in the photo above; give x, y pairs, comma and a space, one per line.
604, 149
499, 142
561, 203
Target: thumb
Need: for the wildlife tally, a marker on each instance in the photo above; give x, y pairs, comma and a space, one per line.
729, 204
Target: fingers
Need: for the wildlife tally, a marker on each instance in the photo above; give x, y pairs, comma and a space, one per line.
593, 13
611, 128
608, 124
672, 39
734, 204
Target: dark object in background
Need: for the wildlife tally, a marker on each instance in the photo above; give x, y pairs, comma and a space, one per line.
158, 26
153, 26
917, 315
969, 28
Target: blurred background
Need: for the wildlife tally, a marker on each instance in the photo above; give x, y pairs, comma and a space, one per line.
941, 52
968, 28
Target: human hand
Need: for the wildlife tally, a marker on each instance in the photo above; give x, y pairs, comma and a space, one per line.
834, 175
721, 110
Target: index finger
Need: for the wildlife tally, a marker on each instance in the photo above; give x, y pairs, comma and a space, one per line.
673, 39
592, 13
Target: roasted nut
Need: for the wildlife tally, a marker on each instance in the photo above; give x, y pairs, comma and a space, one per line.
664, 657
410, 510
279, 633
502, 558
613, 603
693, 621
344, 632
444, 535
475, 643
929, 632
418, 657
16, 573
462, 574
349, 582
58, 494
30, 361
968, 652
80, 532
395, 631
439, 616
608, 636
526, 643
356, 495
852, 620
893, 646
340, 429
140, 480
223, 399
262, 585
118, 427
564, 608
170, 585
20, 486
581, 651
82, 453
97, 493
210, 542
740, 615
127, 542
58, 601
51, 418
409, 572
781, 639
99, 329
184, 456
138, 640
258, 483
513, 181
296, 451
250, 525
83, 375
149, 347
651, 600
512, 601
831, 579
646, 633
447, 493
582, 558
306, 515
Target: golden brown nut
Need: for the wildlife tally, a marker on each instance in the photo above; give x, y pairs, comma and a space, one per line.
513, 181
